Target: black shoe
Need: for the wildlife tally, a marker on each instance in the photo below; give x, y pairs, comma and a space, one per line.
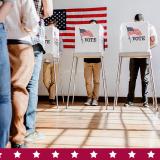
52, 101
14, 145
129, 103
145, 104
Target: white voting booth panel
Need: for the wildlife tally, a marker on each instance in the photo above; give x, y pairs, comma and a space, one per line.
52, 41
89, 40
135, 39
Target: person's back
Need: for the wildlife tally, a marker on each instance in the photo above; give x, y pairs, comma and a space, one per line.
22, 23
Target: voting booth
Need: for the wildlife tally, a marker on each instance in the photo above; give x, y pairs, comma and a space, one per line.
89, 40
52, 41
52, 48
135, 43
135, 39
89, 43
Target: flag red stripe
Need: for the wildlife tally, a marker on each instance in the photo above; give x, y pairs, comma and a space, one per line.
85, 22
87, 16
67, 34
69, 46
86, 9
69, 40
73, 28
73, 46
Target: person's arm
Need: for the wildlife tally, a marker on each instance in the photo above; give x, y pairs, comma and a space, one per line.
4, 10
153, 37
47, 8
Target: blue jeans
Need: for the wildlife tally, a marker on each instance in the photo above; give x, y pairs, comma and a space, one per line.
5, 95
30, 117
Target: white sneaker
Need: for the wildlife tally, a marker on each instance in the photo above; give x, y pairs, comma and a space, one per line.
34, 136
88, 102
94, 102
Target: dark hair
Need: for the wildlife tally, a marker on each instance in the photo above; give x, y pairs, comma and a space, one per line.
93, 20
139, 17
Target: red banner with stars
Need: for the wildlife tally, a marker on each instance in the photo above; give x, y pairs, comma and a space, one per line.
80, 154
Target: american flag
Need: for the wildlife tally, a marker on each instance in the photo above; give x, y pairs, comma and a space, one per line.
133, 31
68, 18
85, 33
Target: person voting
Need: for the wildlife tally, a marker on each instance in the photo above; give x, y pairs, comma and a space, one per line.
141, 64
50, 65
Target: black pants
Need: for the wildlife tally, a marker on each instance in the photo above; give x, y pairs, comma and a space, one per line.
135, 65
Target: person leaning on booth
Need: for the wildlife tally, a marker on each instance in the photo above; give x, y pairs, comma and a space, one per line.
143, 65
5, 95
92, 68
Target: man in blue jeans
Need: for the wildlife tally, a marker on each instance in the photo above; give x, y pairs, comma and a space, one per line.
5, 95
38, 47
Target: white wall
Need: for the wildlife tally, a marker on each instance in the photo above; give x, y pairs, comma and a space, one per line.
118, 11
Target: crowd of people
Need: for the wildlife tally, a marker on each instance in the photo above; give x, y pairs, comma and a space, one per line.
21, 54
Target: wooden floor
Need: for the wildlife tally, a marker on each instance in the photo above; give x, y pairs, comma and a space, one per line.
87, 127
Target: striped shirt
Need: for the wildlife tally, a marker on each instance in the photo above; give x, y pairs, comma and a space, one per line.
40, 37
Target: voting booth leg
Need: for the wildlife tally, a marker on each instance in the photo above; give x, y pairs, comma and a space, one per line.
118, 81
55, 74
61, 81
70, 82
104, 83
74, 82
153, 85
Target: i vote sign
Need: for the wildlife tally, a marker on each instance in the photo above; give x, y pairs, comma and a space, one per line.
135, 38
89, 40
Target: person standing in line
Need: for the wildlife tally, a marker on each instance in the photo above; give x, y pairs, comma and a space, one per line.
20, 29
5, 92
92, 69
141, 64
44, 9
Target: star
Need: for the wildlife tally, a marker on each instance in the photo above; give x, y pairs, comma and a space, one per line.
36, 154
112, 154
55, 154
131, 154
0, 155
17, 154
151, 154
93, 154
74, 154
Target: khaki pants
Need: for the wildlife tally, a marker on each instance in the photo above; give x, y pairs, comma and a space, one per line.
49, 78
92, 71
22, 63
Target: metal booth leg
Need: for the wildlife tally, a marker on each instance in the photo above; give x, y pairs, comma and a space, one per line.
70, 81
56, 82
104, 83
60, 80
74, 83
153, 85
118, 81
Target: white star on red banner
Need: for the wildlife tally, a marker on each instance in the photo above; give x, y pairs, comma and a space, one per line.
17, 154
36, 154
132, 154
74, 154
112, 154
151, 154
93, 154
55, 154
